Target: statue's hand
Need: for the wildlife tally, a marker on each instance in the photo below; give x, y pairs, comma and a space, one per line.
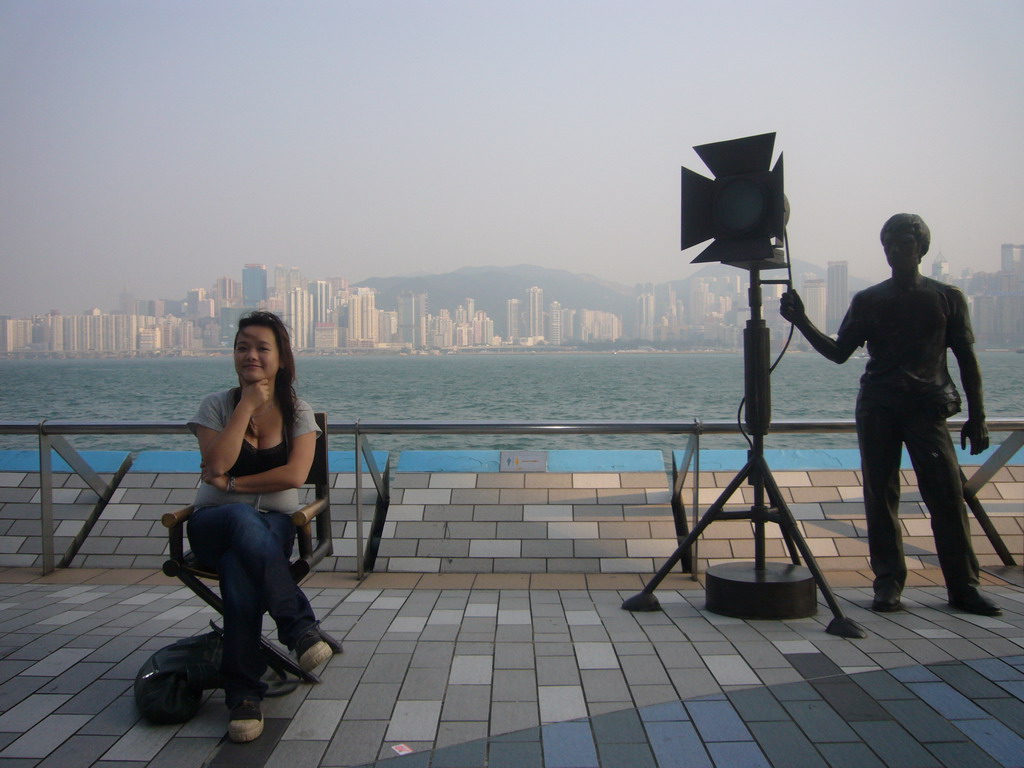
975, 431
791, 306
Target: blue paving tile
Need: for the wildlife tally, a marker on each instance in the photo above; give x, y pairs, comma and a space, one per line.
605, 461
947, 701
995, 669
717, 721
732, 754
677, 745
996, 739
672, 710
1013, 687
914, 675
449, 461
569, 745
28, 461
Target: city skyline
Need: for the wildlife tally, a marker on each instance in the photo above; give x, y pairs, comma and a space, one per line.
211, 284
143, 142
705, 311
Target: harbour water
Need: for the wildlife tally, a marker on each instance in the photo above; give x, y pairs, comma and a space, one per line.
542, 386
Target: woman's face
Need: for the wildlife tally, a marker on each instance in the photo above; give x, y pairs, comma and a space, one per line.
256, 354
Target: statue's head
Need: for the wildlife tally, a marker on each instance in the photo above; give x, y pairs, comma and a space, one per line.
907, 224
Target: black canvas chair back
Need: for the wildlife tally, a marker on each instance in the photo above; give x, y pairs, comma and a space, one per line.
313, 532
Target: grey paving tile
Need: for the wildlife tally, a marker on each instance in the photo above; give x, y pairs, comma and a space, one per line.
623, 726
898, 747
785, 745
142, 742
962, 754
467, 703
514, 754
355, 743
850, 700
922, 721
466, 755
78, 752
191, 751
46, 736
738, 753
30, 711
857, 755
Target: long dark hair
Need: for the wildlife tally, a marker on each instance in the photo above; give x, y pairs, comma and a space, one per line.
284, 382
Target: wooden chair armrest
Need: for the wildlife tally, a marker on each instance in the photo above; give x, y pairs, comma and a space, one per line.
307, 514
177, 517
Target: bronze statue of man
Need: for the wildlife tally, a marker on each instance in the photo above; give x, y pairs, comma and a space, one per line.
906, 395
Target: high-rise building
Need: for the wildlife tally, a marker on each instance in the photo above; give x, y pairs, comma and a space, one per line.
513, 316
298, 316
1012, 258
254, 285
323, 301
412, 312
363, 321
814, 297
645, 311
535, 313
838, 299
554, 335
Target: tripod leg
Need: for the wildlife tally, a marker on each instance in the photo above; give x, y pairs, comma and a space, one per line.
645, 600
840, 625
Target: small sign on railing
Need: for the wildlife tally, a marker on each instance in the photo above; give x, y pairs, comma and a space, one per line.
524, 461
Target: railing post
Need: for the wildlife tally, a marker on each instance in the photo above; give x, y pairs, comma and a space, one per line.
45, 498
359, 501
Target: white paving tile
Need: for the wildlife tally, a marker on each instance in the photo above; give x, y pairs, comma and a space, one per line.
731, 670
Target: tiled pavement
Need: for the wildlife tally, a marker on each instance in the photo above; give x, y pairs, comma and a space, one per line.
520, 670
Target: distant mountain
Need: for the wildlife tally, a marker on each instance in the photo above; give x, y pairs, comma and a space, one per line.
491, 287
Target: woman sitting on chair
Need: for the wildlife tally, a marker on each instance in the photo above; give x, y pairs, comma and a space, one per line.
257, 443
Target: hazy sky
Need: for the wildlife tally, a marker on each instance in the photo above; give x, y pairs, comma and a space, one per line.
157, 145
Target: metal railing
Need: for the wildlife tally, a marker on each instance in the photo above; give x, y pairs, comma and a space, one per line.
52, 436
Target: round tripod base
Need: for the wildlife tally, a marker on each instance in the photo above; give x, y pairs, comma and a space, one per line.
780, 591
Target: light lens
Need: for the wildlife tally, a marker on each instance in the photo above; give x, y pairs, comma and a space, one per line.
740, 205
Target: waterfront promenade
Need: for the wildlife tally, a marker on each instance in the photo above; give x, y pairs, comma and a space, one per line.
469, 650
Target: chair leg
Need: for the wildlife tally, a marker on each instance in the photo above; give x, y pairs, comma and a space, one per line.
335, 645
282, 662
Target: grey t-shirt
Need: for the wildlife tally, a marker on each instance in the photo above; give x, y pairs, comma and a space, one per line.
214, 412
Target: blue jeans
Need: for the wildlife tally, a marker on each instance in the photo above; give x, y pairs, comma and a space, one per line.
250, 551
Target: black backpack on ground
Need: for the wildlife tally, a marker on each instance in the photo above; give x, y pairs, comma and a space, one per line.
169, 686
